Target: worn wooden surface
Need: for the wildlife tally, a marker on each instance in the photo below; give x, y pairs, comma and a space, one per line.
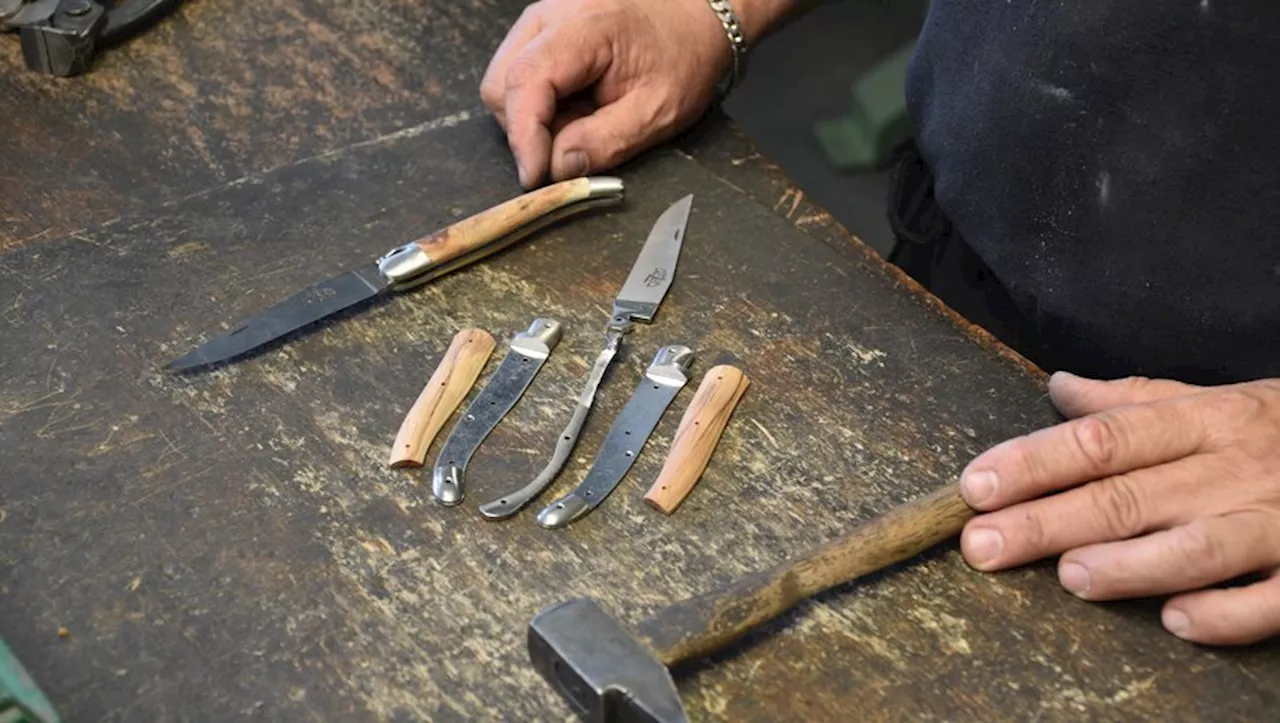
231, 545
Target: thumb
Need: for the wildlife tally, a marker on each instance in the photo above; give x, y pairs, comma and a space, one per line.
610, 136
1077, 396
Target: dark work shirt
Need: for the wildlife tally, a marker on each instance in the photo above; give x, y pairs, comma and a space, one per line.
1116, 165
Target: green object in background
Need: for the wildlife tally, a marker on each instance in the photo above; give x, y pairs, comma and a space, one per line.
21, 701
877, 121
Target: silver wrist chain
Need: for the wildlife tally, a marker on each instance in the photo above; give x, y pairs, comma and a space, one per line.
737, 42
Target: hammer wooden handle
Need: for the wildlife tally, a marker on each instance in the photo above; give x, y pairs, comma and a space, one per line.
448, 386
707, 623
696, 438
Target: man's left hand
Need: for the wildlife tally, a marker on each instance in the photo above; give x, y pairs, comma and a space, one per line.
1152, 487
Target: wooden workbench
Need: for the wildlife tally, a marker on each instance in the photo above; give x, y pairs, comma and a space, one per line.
231, 544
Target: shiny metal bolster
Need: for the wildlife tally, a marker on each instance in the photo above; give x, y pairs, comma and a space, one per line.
446, 484
539, 340
605, 187
563, 511
404, 264
670, 366
605, 192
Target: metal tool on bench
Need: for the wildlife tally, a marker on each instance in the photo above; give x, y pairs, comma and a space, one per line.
62, 37
666, 376
412, 264
529, 350
607, 673
639, 299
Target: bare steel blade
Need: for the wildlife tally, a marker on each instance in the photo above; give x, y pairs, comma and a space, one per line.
654, 270
302, 309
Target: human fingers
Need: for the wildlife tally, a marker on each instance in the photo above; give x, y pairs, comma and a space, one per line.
558, 63
569, 111
493, 86
1079, 396
1114, 508
1084, 449
611, 135
1205, 551
1231, 616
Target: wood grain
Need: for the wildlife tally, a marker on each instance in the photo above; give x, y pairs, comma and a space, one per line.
489, 225
696, 438
448, 386
707, 623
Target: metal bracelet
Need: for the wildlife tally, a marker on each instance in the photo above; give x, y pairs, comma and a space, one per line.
737, 42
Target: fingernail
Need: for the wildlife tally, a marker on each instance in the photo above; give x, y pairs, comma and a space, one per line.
574, 163
984, 545
1074, 577
524, 175
1176, 622
978, 487
1062, 376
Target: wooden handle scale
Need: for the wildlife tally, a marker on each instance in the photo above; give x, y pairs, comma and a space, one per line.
707, 623
492, 230
696, 437
448, 386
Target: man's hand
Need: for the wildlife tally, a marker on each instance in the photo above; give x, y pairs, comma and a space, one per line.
581, 86
1153, 487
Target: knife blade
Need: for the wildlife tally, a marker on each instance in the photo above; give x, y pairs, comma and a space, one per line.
645, 288
411, 265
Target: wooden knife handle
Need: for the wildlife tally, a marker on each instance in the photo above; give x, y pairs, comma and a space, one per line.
448, 386
696, 437
708, 623
476, 232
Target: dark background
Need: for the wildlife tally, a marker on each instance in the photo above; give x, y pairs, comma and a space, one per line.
803, 75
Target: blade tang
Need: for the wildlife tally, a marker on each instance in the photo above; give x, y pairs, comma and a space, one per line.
666, 376
492, 230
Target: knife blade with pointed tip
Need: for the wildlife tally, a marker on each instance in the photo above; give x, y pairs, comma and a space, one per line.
411, 265
643, 291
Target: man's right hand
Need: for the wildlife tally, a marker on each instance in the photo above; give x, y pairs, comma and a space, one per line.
581, 86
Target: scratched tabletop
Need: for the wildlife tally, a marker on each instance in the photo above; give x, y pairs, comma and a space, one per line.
231, 544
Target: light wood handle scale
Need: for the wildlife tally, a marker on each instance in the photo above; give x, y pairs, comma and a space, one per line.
710, 622
697, 436
448, 386
518, 214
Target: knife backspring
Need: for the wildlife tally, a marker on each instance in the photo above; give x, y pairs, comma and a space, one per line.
510, 504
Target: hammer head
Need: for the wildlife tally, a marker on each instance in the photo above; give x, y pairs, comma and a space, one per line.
605, 673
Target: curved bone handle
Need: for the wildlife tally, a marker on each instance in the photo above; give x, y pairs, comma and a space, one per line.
446, 389
696, 438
